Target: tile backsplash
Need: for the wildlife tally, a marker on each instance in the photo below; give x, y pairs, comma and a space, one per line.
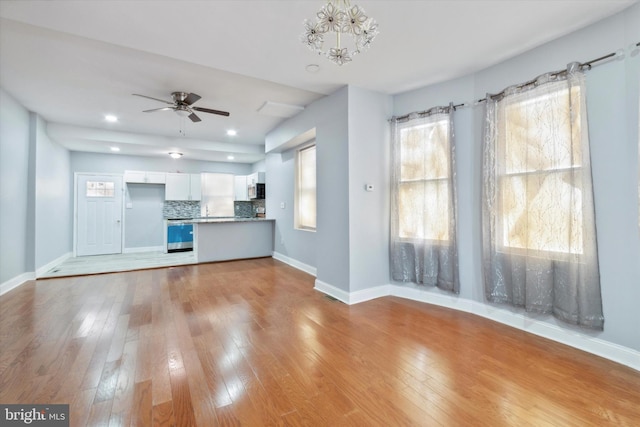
191, 209
181, 209
247, 209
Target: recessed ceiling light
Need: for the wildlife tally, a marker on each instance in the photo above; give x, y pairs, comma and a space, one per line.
230, 157
115, 148
111, 118
312, 68
175, 155
232, 132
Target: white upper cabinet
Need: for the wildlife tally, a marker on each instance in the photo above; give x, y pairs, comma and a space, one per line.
255, 178
143, 177
240, 187
183, 186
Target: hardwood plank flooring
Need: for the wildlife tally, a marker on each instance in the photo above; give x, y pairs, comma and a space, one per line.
251, 343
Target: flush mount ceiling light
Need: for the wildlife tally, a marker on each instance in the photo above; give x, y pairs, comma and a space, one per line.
175, 155
340, 18
111, 118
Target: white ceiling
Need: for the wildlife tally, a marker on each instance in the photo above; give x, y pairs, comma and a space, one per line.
72, 62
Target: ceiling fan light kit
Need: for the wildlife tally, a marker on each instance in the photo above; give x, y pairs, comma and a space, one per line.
183, 105
340, 18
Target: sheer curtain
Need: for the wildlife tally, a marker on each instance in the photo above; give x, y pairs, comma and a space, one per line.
539, 236
423, 207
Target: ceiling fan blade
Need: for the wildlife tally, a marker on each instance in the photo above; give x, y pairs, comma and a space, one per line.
208, 110
158, 109
194, 118
155, 99
191, 98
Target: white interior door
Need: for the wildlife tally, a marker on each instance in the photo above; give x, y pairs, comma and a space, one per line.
99, 214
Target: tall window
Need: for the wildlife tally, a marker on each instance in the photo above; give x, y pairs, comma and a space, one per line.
539, 237
305, 188
540, 195
423, 201
423, 209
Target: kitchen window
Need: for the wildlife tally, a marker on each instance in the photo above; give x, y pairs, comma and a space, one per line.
305, 188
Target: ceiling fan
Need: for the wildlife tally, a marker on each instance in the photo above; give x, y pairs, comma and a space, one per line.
183, 105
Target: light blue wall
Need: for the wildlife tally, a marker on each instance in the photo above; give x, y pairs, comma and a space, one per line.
14, 176
53, 201
35, 202
330, 242
143, 222
612, 98
369, 153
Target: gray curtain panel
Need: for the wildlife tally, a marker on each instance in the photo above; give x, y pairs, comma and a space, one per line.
539, 236
423, 200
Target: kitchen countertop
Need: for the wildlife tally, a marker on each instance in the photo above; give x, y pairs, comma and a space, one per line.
216, 220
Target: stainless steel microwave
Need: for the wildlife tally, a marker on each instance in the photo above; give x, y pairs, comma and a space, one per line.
256, 191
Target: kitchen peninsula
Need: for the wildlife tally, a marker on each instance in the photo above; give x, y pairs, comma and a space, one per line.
223, 239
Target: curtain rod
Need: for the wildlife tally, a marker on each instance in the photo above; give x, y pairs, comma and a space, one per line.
425, 112
583, 65
587, 65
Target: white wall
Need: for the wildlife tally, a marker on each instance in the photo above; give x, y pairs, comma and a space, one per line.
118, 163
53, 200
14, 177
612, 101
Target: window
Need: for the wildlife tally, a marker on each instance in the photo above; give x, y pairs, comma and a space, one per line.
423, 188
218, 194
305, 188
100, 189
540, 192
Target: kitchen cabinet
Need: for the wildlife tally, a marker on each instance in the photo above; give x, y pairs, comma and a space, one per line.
143, 177
255, 178
240, 187
183, 186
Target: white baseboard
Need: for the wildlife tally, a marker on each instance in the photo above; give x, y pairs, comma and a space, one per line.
294, 263
617, 353
143, 249
16, 281
48, 266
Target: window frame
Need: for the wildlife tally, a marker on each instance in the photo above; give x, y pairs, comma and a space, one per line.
297, 222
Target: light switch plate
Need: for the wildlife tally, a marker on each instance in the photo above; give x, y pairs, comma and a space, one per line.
282, 205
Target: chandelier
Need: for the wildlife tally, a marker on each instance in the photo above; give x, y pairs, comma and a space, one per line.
339, 17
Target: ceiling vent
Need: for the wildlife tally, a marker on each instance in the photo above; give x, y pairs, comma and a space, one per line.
276, 109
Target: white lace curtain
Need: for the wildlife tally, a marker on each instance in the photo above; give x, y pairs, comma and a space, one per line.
539, 237
423, 207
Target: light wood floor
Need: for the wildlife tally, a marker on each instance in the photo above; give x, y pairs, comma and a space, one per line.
97, 264
251, 343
